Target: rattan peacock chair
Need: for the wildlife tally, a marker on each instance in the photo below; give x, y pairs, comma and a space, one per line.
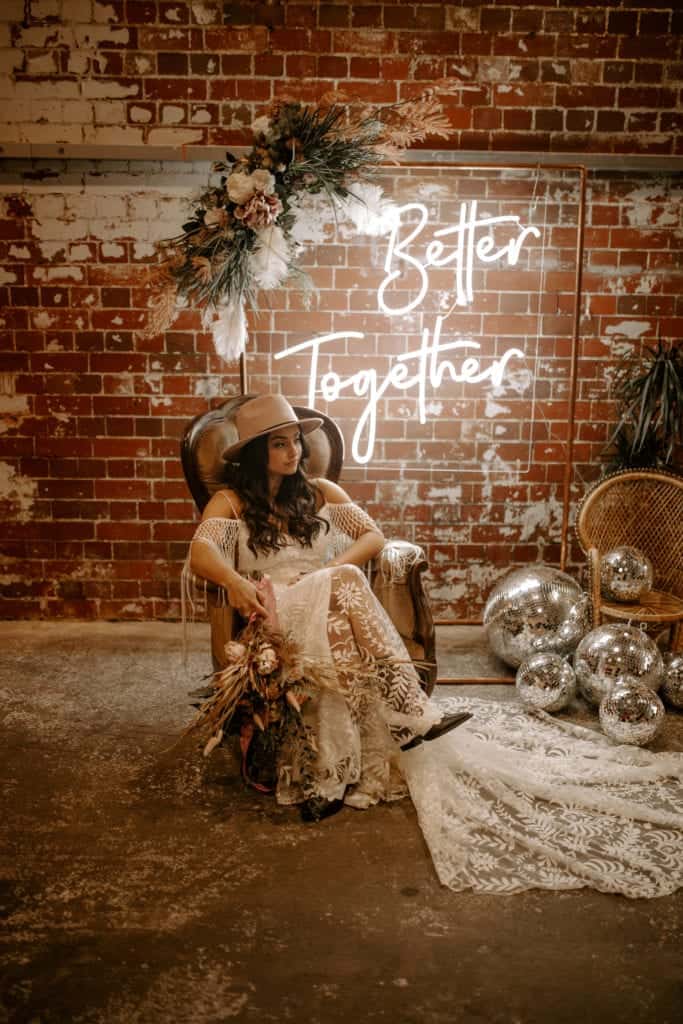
642, 508
396, 573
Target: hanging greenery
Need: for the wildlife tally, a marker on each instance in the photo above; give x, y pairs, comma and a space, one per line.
246, 228
649, 394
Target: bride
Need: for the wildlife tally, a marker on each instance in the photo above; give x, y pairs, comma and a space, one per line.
513, 801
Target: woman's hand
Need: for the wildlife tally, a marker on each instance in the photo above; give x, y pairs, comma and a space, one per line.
244, 597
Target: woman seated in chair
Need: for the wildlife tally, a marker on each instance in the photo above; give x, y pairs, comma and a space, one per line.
271, 519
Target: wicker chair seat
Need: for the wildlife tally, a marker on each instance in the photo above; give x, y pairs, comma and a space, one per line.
643, 509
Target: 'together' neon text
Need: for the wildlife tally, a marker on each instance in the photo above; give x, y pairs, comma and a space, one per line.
470, 237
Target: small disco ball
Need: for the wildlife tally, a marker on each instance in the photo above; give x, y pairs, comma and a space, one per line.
614, 650
672, 687
631, 713
535, 609
546, 682
625, 574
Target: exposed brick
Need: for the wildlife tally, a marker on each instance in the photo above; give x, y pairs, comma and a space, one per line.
622, 23
173, 63
618, 71
654, 22
334, 15
366, 16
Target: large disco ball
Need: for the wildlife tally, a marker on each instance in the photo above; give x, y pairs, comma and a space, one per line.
532, 610
625, 574
672, 687
631, 713
546, 682
614, 650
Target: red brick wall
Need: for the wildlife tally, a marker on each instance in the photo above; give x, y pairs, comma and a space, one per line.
534, 76
97, 514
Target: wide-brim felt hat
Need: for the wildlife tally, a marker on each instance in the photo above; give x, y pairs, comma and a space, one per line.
262, 415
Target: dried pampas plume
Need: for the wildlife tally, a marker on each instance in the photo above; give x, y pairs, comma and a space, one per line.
229, 331
414, 120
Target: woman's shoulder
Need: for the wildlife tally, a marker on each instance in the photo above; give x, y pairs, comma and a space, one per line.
224, 504
332, 493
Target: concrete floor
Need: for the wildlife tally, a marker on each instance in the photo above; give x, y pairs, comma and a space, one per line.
140, 888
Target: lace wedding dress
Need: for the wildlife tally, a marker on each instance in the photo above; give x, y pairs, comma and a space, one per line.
512, 800
334, 615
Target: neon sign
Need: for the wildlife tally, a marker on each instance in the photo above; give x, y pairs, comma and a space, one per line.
471, 236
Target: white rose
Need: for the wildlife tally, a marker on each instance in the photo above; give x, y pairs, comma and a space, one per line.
261, 125
240, 187
263, 182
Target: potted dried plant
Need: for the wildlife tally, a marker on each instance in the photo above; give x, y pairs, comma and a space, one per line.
648, 390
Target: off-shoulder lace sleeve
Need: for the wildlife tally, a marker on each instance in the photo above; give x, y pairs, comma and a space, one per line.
351, 519
220, 535
348, 522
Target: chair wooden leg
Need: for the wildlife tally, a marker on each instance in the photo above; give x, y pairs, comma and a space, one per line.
677, 637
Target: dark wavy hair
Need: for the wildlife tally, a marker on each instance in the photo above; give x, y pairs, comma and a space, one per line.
295, 502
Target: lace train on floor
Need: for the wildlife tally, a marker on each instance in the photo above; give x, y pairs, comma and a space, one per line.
518, 800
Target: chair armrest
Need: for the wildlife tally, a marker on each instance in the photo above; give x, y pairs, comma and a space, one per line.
397, 584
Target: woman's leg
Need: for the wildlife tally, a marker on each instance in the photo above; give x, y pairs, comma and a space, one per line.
372, 662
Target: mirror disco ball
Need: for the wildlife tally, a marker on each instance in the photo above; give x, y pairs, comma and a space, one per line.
614, 650
672, 687
546, 682
631, 713
625, 574
532, 610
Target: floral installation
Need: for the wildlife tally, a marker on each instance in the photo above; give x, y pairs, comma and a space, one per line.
249, 227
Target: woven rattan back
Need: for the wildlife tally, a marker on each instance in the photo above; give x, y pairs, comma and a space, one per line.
642, 508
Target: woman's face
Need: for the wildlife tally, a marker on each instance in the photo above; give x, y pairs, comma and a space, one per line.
284, 450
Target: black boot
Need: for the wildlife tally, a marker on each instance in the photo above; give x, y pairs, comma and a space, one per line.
447, 723
317, 807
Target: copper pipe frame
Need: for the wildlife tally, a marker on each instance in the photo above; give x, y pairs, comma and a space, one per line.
580, 168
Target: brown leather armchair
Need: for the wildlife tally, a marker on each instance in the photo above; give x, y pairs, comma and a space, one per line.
395, 575
642, 508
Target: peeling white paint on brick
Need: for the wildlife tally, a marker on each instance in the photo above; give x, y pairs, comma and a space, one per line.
104, 12
629, 328
172, 114
141, 250
79, 252
7, 277
208, 387
205, 13
434, 408
19, 252
174, 136
111, 250
58, 273
140, 115
493, 408
17, 489
42, 320
154, 381
449, 494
